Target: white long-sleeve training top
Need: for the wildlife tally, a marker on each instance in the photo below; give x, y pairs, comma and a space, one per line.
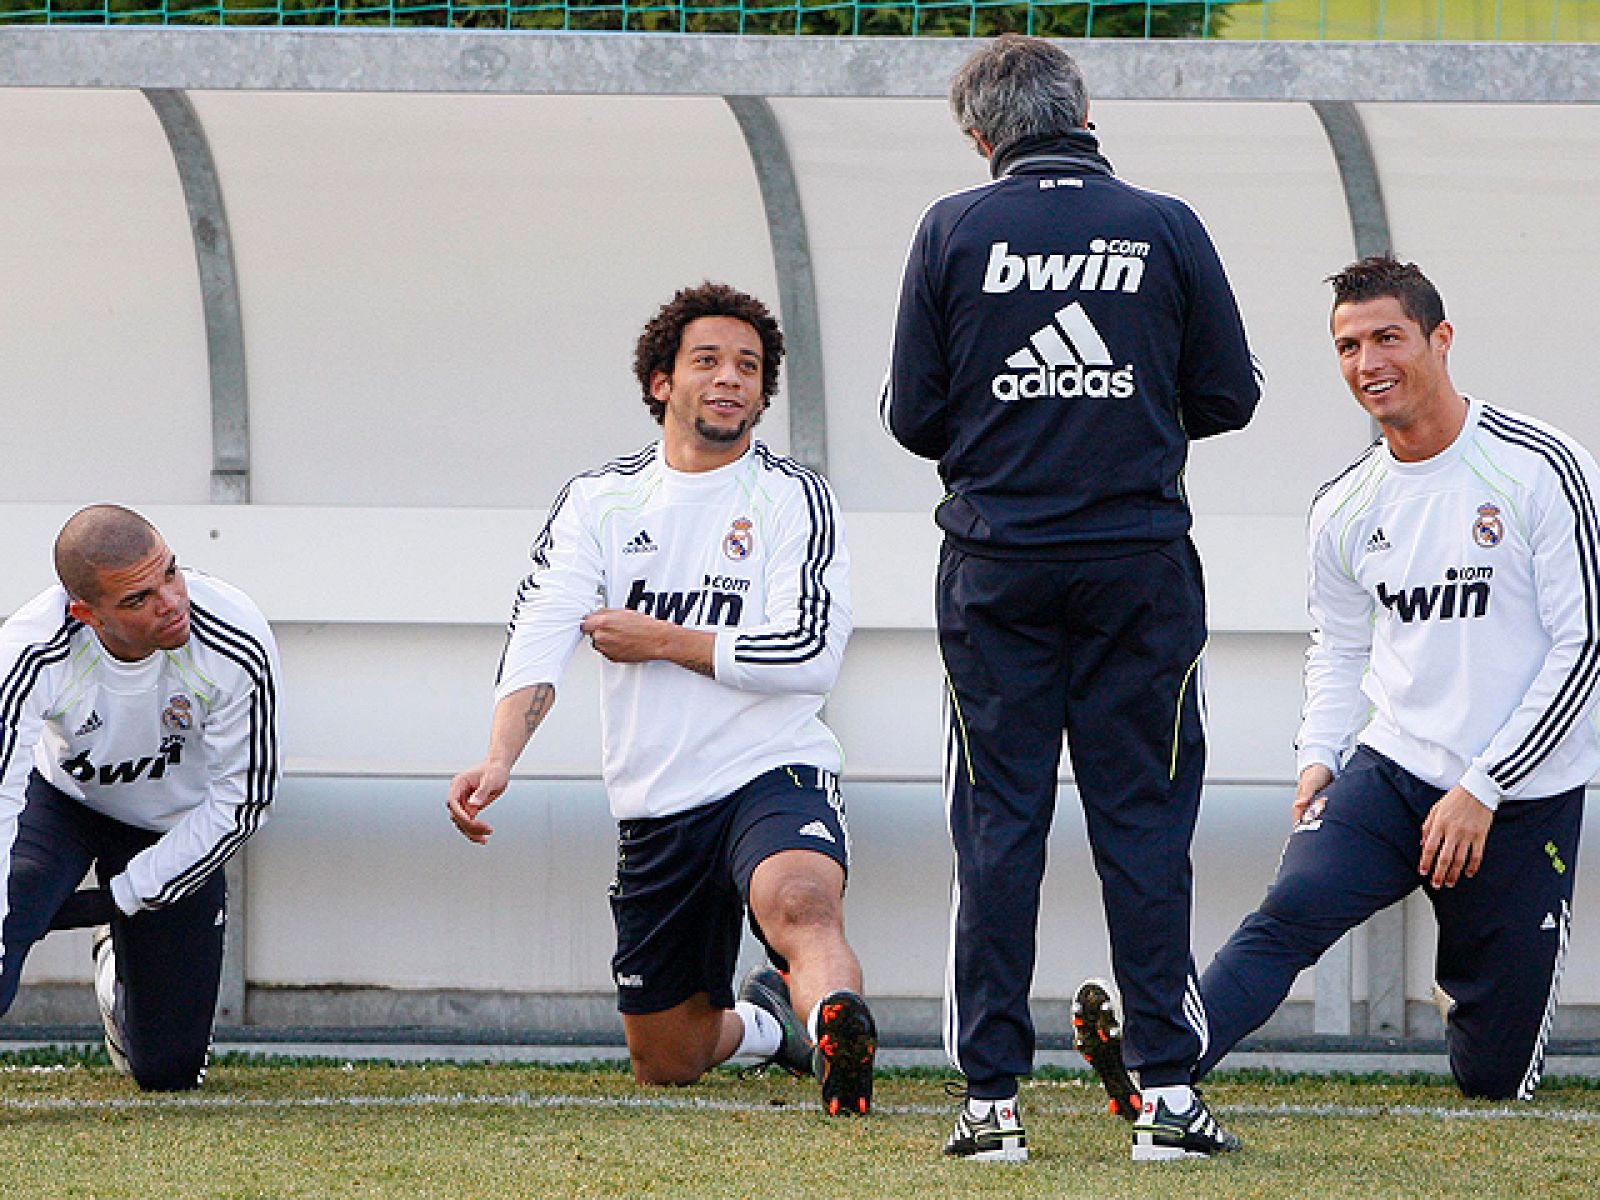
1455, 606
184, 742
753, 552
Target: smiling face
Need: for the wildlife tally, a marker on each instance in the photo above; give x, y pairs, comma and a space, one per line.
1399, 374
139, 609
713, 395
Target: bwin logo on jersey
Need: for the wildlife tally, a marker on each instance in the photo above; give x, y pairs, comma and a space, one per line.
718, 601
1067, 358
1110, 266
1464, 593
151, 767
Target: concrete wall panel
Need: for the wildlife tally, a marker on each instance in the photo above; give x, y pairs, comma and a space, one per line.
103, 378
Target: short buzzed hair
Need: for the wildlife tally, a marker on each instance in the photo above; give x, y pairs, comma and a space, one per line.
99, 538
1381, 275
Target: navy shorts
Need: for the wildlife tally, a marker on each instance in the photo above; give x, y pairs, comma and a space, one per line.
683, 883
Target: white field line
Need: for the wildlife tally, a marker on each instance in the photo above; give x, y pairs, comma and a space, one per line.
530, 1100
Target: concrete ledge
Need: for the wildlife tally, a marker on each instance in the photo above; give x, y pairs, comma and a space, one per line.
533, 63
464, 1018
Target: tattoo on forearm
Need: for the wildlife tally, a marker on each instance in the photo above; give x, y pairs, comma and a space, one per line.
540, 697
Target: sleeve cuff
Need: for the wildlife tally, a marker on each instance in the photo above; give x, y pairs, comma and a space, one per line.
123, 894
1483, 789
722, 664
1313, 756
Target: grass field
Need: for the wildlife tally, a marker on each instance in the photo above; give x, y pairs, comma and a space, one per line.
71, 1128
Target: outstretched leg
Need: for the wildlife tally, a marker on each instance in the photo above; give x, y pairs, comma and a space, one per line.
1358, 855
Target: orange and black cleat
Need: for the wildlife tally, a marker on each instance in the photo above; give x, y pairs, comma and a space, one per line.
847, 1044
1097, 1035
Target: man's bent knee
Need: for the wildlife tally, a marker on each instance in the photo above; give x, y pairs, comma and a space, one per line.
663, 1067
798, 889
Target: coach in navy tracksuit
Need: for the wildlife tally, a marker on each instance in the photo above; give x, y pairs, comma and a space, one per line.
1061, 338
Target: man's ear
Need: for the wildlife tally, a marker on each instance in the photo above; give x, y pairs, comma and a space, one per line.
81, 611
661, 386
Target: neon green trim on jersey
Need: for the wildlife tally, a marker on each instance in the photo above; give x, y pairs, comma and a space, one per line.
203, 687
84, 657
630, 499
1504, 491
1365, 492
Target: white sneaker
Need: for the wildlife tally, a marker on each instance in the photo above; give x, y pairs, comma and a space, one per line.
105, 991
995, 1137
1161, 1134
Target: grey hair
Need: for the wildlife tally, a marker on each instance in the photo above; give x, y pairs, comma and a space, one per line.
1017, 87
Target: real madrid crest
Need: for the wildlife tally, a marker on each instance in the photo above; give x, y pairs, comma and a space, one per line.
740, 543
179, 715
1487, 530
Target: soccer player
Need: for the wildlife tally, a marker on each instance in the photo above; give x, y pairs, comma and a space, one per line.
1450, 686
140, 737
1062, 336
711, 575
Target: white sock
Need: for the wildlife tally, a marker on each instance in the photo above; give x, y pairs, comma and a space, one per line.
982, 1108
811, 1021
762, 1033
1179, 1097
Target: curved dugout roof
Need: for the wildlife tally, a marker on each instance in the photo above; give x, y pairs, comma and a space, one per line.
449, 224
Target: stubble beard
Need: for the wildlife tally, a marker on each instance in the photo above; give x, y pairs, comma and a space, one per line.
722, 435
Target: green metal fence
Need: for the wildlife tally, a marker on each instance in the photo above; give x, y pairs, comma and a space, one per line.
1352, 20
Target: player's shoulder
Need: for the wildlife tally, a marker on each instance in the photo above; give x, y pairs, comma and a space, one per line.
1508, 432
42, 620
1339, 494
225, 619
786, 473
627, 470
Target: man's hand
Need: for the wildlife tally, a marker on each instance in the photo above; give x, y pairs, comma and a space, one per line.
471, 792
1453, 837
1314, 780
624, 635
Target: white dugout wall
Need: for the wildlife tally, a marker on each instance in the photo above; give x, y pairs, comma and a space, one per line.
439, 279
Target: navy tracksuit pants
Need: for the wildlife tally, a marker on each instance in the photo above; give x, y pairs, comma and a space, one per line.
1107, 650
1502, 933
169, 960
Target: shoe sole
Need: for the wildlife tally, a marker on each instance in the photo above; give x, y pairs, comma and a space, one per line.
1165, 1153
847, 1044
1097, 1036
1020, 1154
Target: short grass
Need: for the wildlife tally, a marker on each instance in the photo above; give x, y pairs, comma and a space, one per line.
70, 1128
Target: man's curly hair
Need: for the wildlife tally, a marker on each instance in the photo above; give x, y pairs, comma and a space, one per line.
657, 349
